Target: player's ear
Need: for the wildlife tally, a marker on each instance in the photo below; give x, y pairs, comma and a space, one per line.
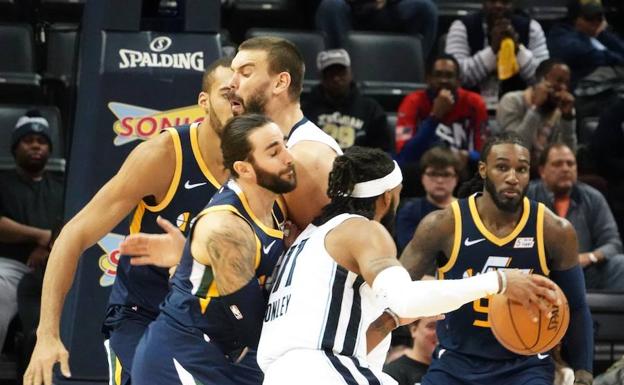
243, 169
203, 100
482, 169
282, 83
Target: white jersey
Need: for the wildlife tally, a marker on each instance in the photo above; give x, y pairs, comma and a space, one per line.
305, 130
317, 315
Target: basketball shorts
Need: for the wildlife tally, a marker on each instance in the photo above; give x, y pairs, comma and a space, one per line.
451, 368
170, 354
314, 367
123, 328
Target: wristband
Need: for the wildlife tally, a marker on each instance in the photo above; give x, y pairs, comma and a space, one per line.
592, 257
503, 282
395, 317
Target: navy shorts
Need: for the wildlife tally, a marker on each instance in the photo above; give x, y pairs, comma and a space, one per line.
450, 368
123, 328
169, 353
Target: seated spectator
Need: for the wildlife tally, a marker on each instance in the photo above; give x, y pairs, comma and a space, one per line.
595, 56
599, 242
338, 108
409, 368
439, 169
443, 113
335, 18
543, 113
606, 149
31, 202
475, 40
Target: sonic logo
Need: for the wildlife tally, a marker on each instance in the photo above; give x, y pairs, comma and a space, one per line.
139, 123
110, 260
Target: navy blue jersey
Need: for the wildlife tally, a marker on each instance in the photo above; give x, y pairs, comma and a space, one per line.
194, 299
476, 250
191, 187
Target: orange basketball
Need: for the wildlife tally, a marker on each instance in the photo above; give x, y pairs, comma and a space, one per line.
513, 328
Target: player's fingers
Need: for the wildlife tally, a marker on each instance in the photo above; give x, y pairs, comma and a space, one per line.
133, 245
47, 374
141, 260
64, 361
543, 281
37, 379
531, 307
166, 225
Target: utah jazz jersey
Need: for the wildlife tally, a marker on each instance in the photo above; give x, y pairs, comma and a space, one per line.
475, 251
194, 300
191, 188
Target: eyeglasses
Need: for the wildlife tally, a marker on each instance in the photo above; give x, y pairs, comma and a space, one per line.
440, 174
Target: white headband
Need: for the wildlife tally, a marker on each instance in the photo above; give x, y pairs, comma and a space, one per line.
376, 187
31, 119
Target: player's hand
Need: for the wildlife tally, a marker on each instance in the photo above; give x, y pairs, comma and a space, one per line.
534, 292
443, 104
163, 250
291, 232
48, 351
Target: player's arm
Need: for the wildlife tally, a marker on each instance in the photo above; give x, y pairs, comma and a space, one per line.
562, 251
313, 162
227, 243
141, 174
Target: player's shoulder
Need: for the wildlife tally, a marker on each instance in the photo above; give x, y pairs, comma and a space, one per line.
555, 225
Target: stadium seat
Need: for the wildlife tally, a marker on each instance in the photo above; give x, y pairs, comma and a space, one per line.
607, 310
309, 43
387, 66
8, 117
61, 53
62, 10
19, 81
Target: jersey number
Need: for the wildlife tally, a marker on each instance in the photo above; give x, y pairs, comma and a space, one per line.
292, 253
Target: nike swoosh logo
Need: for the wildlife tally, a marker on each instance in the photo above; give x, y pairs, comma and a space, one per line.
268, 248
468, 242
189, 186
542, 356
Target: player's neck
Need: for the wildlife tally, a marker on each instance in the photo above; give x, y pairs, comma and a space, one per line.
260, 201
286, 115
210, 150
493, 217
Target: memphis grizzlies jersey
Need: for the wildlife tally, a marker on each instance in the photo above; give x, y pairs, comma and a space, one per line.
316, 304
305, 130
476, 250
194, 299
191, 188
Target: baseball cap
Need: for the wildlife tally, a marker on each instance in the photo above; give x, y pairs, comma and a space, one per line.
331, 57
588, 9
31, 123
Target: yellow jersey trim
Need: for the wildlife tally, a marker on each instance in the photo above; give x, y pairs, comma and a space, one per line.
175, 181
456, 241
281, 203
487, 234
137, 218
198, 158
541, 251
267, 230
117, 371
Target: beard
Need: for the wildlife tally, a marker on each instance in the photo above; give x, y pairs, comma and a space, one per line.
504, 204
215, 122
256, 104
274, 182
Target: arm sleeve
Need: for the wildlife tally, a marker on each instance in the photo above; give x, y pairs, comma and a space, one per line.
474, 68
245, 308
411, 299
578, 343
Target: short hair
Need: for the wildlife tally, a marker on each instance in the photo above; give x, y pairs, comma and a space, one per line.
235, 144
545, 66
208, 77
444, 56
283, 56
439, 157
543, 158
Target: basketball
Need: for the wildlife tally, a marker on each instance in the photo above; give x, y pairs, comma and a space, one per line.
512, 325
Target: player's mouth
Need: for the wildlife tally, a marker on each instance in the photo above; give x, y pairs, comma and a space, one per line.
510, 194
236, 104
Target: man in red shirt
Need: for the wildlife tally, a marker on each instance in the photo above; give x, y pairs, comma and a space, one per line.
444, 113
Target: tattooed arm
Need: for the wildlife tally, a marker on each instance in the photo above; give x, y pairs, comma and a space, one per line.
226, 242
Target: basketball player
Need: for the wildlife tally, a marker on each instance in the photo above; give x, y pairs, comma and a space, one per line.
499, 228
172, 175
214, 310
337, 278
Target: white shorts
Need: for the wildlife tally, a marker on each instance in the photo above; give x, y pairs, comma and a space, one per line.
313, 367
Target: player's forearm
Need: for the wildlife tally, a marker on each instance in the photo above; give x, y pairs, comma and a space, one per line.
15, 232
378, 330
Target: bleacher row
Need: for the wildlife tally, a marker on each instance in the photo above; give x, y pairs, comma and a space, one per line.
38, 68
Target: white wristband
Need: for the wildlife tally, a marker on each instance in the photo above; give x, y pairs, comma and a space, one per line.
592, 257
503, 282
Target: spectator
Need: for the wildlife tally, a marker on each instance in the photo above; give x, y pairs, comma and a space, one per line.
599, 241
606, 147
337, 106
439, 169
475, 41
595, 56
543, 113
31, 202
443, 113
410, 367
335, 18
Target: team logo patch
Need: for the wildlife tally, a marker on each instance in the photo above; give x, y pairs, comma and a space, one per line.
524, 243
109, 261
